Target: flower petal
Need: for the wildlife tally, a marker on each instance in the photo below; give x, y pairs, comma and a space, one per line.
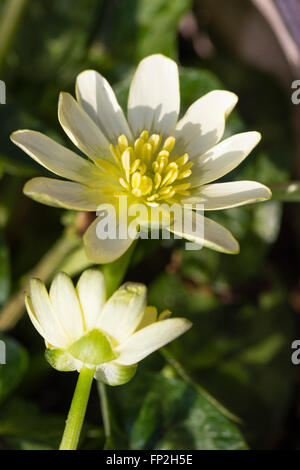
45, 315
154, 98
151, 338
65, 303
112, 373
150, 316
204, 122
81, 129
223, 158
65, 194
225, 195
206, 232
53, 156
97, 98
91, 293
103, 250
123, 311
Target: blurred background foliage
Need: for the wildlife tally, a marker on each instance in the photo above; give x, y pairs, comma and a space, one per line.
244, 308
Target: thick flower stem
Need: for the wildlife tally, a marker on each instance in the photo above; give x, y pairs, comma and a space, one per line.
77, 410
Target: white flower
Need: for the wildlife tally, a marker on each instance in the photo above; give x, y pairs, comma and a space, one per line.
151, 158
80, 327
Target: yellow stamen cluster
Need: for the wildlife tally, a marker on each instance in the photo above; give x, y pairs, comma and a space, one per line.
149, 170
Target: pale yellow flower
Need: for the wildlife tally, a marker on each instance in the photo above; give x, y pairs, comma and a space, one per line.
81, 328
150, 158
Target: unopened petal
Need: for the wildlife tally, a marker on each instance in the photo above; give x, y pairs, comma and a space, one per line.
123, 311
65, 302
91, 293
46, 315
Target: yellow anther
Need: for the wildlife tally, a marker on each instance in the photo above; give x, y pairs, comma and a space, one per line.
122, 142
138, 146
123, 183
136, 192
146, 185
157, 180
126, 159
153, 197
184, 174
167, 192
147, 152
162, 154
135, 165
147, 170
155, 167
144, 135
136, 180
182, 160
169, 144
143, 168
170, 177
155, 141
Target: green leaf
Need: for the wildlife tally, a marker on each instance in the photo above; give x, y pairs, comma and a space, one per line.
12, 372
22, 424
159, 412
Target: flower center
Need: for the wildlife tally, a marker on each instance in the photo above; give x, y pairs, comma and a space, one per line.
150, 171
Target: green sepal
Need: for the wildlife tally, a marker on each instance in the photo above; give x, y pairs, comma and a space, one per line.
92, 348
61, 360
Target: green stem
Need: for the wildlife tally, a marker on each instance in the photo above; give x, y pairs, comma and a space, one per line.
114, 272
105, 412
11, 16
77, 410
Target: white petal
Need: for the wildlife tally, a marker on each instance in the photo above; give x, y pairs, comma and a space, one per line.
154, 98
104, 250
96, 96
53, 156
204, 122
223, 158
150, 316
226, 195
123, 311
151, 338
81, 129
113, 374
206, 232
65, 302
65, 194
30, 311
91, 293
46, 315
